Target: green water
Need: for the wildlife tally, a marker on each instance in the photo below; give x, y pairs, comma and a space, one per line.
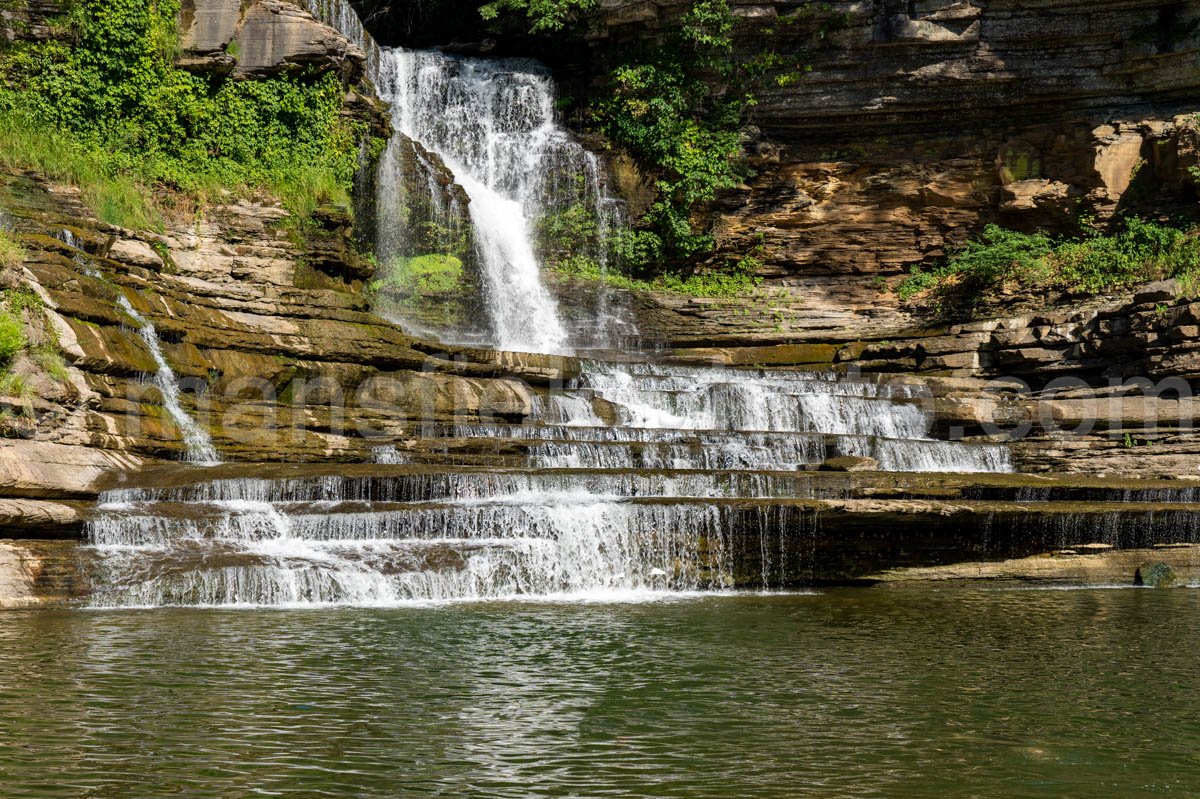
931, 693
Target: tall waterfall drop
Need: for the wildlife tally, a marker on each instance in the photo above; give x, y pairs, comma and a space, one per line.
491, 126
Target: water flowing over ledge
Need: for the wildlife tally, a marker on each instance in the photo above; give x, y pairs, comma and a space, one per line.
199, 444
635, 479
414, 535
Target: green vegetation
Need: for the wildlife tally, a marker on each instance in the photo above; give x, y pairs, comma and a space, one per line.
105, 108
541, 16
13, 307
11, 253
570, 243
568, 233
50, 360
737, 279
22, 312
670, 106
421, 275
12, 335
1005, 260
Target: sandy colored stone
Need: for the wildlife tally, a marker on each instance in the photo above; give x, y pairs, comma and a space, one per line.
135, 253
42, 469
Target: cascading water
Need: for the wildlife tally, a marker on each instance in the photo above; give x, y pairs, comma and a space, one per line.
492, 124
637, 478
200, 449
331, 540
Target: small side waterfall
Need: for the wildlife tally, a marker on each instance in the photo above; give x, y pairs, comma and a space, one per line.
199, 445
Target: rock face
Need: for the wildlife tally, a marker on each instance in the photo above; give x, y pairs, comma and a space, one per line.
39, 573
882, 67
265, 37
272, 342
919, 122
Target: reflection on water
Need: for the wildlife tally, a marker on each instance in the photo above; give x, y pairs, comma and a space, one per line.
845, 694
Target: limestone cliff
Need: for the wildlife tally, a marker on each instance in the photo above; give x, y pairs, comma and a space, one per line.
918, 123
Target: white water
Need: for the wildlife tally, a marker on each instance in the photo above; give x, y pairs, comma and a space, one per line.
588, 524
710, 418
493, 127
199, 445
239, 552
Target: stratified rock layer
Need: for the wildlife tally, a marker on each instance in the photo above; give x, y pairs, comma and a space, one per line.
265, 37
897, 130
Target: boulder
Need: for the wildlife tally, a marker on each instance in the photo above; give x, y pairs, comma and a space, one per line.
43, 469
278, 37
262, 38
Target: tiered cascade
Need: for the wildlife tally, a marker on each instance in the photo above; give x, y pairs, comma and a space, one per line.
635, 478
695, 468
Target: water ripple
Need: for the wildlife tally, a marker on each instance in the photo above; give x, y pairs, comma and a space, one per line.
844, 694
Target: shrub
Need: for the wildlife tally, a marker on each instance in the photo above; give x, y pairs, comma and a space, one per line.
739, 280
110, 112
541, 15
422, 275
12, 335
1092, 263
669, 107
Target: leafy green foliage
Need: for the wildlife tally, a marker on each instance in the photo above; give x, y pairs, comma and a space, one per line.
116, 196
421, 275
12, 328
998, 256
1093, 263
574, 229
110, 111
1160, 575
541, 15
672, 108
737, 280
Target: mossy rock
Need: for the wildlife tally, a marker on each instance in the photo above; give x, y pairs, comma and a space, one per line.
421, 275
1159, 575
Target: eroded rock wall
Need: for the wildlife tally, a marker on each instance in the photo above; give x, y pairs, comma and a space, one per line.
916, 123
260, 38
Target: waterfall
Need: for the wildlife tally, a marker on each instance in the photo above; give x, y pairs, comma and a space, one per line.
199, 445
208, 545
633, 480
681, 417
492, 124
